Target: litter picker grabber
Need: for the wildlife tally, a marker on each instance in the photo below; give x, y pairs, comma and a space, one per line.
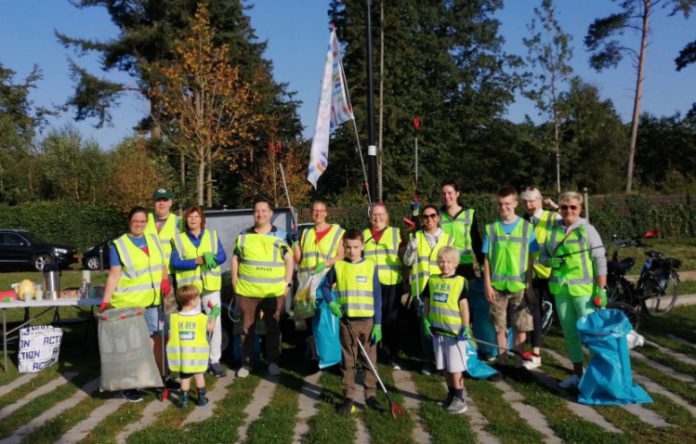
394, 408
508, 351
163, 367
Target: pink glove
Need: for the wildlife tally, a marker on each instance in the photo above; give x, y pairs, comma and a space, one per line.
165, 288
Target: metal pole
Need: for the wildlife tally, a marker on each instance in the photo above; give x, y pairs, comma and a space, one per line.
371, 147
587, 205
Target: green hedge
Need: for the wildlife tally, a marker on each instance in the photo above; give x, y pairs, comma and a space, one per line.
622, 215
59, 222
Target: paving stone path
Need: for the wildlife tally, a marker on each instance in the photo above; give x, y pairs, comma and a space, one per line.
148, 417
261, 397
216, 392
530, 414
7, 388
361, 435
46, 388
478, 422
83, 428
663, 368
405, 385
309, 396
678, 356
21, 433
657, 388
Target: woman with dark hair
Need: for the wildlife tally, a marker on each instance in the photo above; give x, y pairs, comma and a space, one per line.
137, 275
461, 225
196, 260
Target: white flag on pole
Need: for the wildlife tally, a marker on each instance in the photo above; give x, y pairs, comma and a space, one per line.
333, 110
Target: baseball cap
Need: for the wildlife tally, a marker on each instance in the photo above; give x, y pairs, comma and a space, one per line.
161, 193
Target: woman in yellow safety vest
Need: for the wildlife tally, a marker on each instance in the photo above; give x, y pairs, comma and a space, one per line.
137, 276
578, 279
320, 246
196, 260
382, 243
461, 225
421, 255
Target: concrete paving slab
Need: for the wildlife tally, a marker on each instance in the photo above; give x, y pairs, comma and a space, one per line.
262, 396
530, 414
309, 396
83, 428
215, 393
405, 385
46, 388
7, 388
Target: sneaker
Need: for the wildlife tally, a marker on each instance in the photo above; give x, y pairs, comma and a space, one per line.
273, 369
495, 377
172, 384
428, 370
346, 408
445, 403
183, 402
395, 365
372, 403
533, 362
217, 370
457, 406
569, 382
243, 372
133, 395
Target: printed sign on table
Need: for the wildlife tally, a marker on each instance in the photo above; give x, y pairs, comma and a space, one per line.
39, 347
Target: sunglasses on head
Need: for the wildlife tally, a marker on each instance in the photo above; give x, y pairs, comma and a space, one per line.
569, 207
430, 216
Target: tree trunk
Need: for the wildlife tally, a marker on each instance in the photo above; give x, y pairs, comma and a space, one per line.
380, 152
638, 96
182, 170
209, 182
200, 181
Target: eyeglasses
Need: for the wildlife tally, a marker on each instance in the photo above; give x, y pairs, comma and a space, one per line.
430, 216
569, 207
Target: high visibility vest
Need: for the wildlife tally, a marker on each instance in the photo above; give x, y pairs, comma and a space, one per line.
444, 303
459, 228
426, 261
542, 229
261, 266
355, 289
315, 253
202, 277
508, 255
385, 254
576, 272
188, 350
166, 234
141, 274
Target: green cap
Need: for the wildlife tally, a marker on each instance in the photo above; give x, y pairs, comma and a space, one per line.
161, 193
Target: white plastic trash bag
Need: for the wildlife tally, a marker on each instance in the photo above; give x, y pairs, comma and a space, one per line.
39, 347
125, 349
634, 339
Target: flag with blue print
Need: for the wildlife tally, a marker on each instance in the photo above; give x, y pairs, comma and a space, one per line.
334, 109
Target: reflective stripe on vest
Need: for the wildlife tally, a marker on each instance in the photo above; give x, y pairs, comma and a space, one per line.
261, 266
426, 261
355, 288
576, 272
385, 253
542, 229
508, 255
202, 277
187, 349
314, 253
444, 303
165, 235
459, 229
141, 274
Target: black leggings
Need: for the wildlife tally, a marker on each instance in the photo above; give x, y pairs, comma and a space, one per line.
541, 289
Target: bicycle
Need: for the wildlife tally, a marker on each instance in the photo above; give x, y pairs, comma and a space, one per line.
656, 291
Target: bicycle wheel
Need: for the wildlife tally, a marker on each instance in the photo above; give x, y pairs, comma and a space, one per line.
631, 312
661, 301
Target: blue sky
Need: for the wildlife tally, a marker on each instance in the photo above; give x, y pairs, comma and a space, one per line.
297, 35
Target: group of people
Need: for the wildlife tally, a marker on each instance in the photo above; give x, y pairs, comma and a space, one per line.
521, 261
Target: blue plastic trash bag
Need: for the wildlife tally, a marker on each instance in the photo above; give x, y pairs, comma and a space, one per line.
482, 327
325, 326
608, 379
476, 368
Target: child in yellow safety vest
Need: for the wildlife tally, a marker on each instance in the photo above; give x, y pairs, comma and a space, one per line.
188, 350
446, 320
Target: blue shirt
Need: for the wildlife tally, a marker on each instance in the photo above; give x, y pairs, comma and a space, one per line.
190, 264
115, 259
330, 280
508, 228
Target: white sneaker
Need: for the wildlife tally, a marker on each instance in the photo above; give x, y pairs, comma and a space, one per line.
533, 363
243, 372
457, 406
273, 369
570, 381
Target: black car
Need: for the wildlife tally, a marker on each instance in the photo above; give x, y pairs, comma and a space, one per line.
97, 257
19, 248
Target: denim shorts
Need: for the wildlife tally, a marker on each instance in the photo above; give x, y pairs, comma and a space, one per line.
152, 318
